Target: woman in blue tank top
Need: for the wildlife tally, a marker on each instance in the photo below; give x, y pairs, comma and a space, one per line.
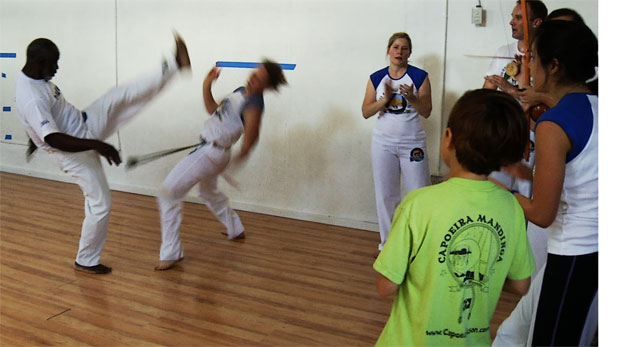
565, 179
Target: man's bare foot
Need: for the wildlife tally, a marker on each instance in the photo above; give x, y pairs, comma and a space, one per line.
182, 53
241, 236
167, 264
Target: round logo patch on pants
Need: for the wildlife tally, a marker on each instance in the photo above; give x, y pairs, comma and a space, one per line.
416, 154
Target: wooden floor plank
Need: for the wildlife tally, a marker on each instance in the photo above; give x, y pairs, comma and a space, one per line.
288, 283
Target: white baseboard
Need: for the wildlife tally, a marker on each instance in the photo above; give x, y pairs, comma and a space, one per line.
145, 190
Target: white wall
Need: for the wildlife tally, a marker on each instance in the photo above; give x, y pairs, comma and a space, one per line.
312, 161
84, 33
464, 70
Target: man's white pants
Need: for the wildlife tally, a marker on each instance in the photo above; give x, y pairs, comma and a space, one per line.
202, 167
104, 117
389, 162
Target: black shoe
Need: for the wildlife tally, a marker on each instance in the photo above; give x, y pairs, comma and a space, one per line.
96, 269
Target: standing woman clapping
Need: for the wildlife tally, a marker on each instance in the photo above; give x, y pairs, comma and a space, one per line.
399, 93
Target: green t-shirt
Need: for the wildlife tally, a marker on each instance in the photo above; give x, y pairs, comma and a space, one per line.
450, 249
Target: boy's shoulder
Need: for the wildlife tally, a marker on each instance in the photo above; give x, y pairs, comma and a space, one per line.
455, 189
443, 187
427, 196
423, 192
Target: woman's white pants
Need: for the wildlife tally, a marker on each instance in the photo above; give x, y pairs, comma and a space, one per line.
389, 162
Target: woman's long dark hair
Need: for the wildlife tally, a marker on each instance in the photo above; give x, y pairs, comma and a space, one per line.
572, 44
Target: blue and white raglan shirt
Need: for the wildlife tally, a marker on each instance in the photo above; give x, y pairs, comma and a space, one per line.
400, 123
575, 229
227, 123
43, 110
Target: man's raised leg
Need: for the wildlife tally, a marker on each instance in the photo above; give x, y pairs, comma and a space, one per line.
120, 104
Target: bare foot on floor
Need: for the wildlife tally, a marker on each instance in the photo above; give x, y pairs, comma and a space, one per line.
167, 264
239, 237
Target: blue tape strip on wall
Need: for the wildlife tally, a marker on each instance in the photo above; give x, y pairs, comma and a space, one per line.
8, 55
249, 65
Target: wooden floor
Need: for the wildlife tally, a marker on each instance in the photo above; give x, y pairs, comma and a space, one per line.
289, 283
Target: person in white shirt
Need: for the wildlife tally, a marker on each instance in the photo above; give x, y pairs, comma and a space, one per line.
501, 75
239, 114
75, 137
565, 183
399, 95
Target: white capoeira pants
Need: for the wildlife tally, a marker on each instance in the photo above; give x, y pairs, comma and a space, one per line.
517, 329
538, 237
202, 167
389, 162
538, 240
105, 116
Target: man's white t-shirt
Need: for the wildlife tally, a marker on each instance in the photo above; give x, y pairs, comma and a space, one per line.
501, 59
43, 110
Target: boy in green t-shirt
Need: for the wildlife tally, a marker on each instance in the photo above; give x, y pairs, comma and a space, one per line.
455, 245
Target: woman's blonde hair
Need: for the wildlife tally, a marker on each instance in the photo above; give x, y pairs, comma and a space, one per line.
399, 35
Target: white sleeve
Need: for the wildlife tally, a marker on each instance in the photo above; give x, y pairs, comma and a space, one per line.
38, 116
496, 64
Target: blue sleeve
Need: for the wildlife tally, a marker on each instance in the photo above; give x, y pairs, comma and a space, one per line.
377, 76
574, 115
257, 100
417, 75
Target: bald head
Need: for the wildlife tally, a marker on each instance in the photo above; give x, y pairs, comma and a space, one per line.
42, 48
41, 59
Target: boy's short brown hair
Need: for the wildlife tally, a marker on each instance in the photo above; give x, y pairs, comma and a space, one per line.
489, 130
